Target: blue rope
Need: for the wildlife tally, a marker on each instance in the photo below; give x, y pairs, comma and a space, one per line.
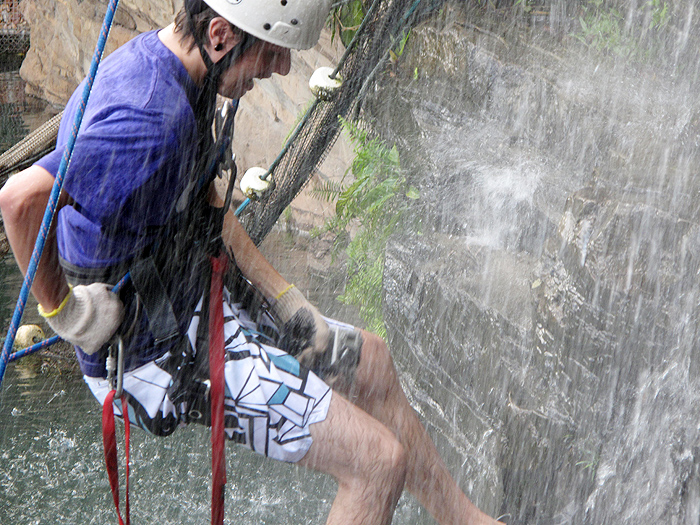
35, 348
55, 192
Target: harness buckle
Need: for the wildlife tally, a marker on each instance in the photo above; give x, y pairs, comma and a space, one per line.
346, 344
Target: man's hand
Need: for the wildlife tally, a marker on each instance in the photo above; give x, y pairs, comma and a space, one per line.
303, 327
87, 317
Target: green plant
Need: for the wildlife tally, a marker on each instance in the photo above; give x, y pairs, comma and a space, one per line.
288, 225
346, 19
395, 53
373, 205
659, 14
587, 450
590, 463
524, 5
605, 29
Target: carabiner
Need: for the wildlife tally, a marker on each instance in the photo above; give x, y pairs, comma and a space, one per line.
115, 368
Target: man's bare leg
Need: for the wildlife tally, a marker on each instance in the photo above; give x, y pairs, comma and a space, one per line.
378, 392
364, 457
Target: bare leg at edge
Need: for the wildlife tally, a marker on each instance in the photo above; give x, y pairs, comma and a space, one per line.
377, 391
364, 457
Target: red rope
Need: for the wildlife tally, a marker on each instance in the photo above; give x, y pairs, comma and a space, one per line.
109, 440
216, 371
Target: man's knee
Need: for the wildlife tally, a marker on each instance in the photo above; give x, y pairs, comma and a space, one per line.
375, 351
386, 469
395, 460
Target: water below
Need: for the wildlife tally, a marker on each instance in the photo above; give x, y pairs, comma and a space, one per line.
52, 467
51, 456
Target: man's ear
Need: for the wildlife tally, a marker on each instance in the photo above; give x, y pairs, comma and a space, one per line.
221, 35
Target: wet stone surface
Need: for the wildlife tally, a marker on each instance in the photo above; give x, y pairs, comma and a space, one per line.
546, 311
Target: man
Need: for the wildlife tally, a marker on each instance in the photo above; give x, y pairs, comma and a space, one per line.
128, 199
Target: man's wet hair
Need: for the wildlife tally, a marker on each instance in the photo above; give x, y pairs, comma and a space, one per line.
197, 30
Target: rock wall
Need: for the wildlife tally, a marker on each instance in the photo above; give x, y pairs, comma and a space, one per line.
546, 316
63, 38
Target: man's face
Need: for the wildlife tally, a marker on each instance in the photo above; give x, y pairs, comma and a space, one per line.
260, 60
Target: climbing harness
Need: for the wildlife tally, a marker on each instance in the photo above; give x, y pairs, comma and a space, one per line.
204, 235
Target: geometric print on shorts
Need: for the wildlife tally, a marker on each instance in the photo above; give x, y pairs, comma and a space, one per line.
269, 401
272, 398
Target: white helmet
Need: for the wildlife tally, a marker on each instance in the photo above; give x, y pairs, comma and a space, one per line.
294, 24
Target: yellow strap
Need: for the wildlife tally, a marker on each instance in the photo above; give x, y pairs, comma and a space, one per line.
284, 292
48, 315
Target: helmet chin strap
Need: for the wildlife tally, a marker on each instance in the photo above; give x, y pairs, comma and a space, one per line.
205, 106
206, 101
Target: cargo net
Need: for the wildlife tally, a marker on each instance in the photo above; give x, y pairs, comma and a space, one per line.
384, 24
14, 30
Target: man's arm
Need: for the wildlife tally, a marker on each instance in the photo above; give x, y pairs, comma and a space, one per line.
23, 203
253, 264
303, 325
88, 315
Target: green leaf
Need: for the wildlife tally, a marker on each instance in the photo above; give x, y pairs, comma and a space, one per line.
413, 193
350, 16
402, 43
328, 190
584, 26
394, 156
370, 206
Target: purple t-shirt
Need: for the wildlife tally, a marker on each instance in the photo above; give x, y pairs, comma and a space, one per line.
131, 161
132, 155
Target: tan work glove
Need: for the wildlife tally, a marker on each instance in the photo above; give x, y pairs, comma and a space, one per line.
88, 316
303, 327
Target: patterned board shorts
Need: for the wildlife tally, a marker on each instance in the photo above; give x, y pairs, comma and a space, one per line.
270, 400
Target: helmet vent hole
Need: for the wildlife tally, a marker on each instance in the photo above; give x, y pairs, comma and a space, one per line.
294, 21
284, 2
267, 27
